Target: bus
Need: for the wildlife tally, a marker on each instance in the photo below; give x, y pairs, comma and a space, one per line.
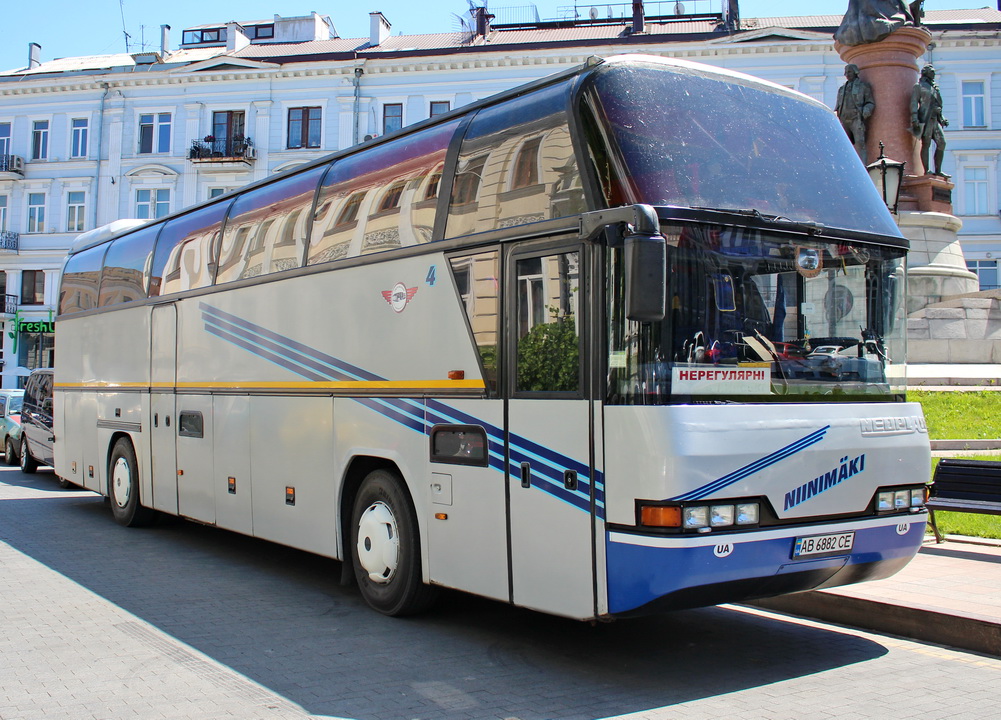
626, 339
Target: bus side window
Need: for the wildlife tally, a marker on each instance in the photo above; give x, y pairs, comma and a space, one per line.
267, 228
124, 276
516, 165
185, 250
478, 285
377, 200
80, 280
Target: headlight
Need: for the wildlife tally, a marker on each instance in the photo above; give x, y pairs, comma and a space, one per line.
721, 515
747, 514
901, 500
696, 517
917, 497
884, 502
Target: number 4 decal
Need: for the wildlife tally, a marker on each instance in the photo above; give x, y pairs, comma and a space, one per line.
430, 279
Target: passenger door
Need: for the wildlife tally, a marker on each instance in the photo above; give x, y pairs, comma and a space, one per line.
549, 431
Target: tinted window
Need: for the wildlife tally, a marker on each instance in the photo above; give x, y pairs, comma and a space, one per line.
124, 277
377, 200
516, 166
267, 228
81, 278
185, 251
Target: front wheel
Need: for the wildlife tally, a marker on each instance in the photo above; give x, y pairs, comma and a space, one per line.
28, 463
123, 489
385, 547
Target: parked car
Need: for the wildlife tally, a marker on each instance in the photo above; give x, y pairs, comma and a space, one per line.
10, 423
36, 421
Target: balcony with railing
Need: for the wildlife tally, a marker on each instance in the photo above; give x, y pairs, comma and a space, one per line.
9, 242
10, 304
237, 152
11, 167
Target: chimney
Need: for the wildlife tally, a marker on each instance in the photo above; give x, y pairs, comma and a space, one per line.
483, 19
164, 40
638, 17
34, 55
378, 29
236, 39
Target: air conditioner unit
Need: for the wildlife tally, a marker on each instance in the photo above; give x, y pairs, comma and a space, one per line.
250, 152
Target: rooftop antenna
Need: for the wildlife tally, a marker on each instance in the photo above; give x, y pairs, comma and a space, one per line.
121, 5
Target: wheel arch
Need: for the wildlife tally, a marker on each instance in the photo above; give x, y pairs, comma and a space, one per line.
356, 471
112, 441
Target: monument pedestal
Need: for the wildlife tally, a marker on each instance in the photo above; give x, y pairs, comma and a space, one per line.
948, 319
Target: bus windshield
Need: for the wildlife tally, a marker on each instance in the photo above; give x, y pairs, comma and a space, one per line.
755, 316
679, 136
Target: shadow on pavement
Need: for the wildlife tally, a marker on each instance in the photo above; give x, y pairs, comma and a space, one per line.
277, 616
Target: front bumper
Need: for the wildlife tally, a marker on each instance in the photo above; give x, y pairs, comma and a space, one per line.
651, 573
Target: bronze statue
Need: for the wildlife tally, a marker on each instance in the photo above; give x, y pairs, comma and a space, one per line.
927, 120
855, 105
869, 21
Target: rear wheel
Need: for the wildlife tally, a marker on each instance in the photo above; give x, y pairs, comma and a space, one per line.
9, 453
28, 463
123, 487
385, 547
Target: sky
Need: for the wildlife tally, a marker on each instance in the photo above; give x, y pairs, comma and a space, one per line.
69, 28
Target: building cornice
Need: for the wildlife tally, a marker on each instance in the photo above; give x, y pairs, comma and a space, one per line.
484, 58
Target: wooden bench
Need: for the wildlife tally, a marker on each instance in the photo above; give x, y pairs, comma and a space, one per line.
961, 485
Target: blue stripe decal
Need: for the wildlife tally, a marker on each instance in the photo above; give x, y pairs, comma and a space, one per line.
756, 466
418, 414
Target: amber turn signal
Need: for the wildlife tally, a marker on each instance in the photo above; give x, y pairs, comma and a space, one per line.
660, 515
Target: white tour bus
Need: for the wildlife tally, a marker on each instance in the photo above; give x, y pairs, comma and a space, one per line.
626, 339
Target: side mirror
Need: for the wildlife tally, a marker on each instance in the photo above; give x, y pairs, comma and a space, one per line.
646, 276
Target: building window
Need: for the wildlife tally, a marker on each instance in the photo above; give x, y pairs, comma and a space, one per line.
392, 117
152, 203
32, 287
3, 213
439, 107
303, 127
78, 142
39, 139
975, 191
526, 167
987, 273
4, 143
261, 31
973, 104
227, 132
36, 212
216, 192
75, 205
154, 133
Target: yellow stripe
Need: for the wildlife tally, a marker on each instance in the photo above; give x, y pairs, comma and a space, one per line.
265, 385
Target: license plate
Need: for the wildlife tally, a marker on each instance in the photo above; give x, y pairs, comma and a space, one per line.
833, 544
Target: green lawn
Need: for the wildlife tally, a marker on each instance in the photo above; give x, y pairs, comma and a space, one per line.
963, 416
972, 415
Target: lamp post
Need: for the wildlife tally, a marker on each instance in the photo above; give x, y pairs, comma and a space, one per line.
886, 175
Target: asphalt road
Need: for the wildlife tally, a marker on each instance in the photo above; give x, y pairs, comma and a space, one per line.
185, 621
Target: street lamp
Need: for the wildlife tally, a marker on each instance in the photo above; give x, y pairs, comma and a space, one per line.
887, 175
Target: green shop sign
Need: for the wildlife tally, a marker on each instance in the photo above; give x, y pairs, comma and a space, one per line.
29, 326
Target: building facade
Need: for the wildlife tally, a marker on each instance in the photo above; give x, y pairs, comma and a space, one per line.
85, 141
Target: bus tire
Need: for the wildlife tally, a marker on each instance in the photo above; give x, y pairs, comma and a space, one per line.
123, 487
9, 453
385, 547
28, 463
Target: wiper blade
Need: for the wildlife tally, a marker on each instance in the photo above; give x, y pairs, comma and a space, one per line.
807, 226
